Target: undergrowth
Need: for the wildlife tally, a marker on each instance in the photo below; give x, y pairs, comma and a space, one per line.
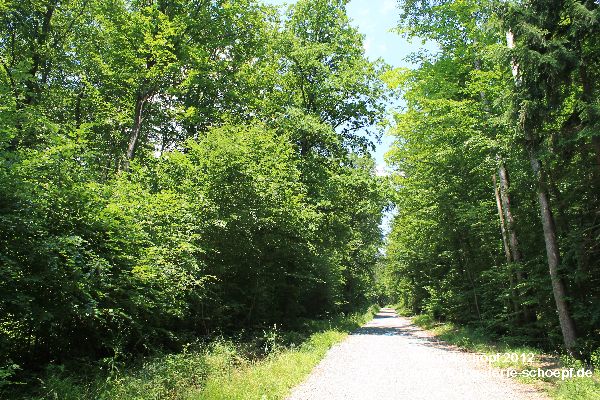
265, 368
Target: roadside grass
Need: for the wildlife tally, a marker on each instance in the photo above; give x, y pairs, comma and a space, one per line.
505, 355
273, 377
223, 369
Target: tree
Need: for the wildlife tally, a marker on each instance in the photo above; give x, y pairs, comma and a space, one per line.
523, 110
537, 81
326, 75
162, 178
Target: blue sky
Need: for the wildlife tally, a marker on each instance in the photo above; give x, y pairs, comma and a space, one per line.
375, 19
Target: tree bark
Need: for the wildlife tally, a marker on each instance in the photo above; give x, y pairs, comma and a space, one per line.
527, 314
552, 251
510, 221
507, 251
135, 130
502, 223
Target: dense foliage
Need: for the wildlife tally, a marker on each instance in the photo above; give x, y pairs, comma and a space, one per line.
497, 162
174, 169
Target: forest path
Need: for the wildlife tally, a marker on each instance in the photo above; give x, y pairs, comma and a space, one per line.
391, 358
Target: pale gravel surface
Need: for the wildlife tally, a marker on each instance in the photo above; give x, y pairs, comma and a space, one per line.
390, 358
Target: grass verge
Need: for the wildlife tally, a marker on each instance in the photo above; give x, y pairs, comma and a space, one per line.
224, 369
520, 358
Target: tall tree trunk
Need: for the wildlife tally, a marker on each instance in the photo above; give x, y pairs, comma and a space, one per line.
567, 325
552, 251
507, 252
525, 314
510, 221
502, 223
135, 130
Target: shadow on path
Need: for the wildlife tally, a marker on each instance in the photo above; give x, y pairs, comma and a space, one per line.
387, 323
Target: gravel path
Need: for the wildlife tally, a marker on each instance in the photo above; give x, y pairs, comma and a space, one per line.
390, 358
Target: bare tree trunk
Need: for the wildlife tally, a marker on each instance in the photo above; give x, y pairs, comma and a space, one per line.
552, 251
507, 252
502, 223
525, 314
135, 130
528, 314
510, 221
